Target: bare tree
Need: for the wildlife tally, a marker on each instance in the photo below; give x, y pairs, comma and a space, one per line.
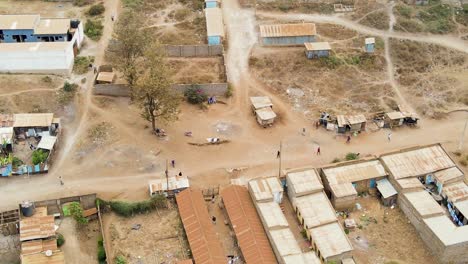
153, 88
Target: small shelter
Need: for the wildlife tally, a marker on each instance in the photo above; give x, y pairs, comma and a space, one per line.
214, 26
212, 3
370, 45
387, 192
317, 49
105, 78
47, 143
397, 118
287, 34
263, 110
160, 186
351, 123
259, 102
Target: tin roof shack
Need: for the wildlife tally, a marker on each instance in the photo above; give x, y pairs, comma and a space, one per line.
266, 190
331, 242
351, 123
160, 186
214, 26
212, 3
263, 110
396, 119
369, 45
36, 124
344, 181
287, 34
386, 192
317, 50
447, 177
201, 235
247, 226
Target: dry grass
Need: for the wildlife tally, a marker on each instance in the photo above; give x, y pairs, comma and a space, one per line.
196, 70
379, 20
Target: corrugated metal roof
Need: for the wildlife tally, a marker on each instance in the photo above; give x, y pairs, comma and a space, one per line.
263, 188
410, 183
424, 204
303, 258
446, 231
456, 192
288, 30
304, 182
343, 120
37, 227
9, 22
214, 22
343, 190
251, 237
314, 46
55, 26
105, 77
37, 246
204, 243
370, 40
395, 115
40, 258
271, 215
355, 172
386, 188
330, 240
315, 209
261, 102
285, 242
33, 120
265, 113
47, 142
175, 183
449, 175
417, 162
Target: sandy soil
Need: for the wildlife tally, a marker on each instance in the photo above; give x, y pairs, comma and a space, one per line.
197, 70
44, 8
80, 243
9, 249
386, 235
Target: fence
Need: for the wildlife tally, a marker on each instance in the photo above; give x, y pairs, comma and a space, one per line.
194, 50
112, 90
211, 89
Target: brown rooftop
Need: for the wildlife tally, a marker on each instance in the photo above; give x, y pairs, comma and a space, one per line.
204, 243
37, 227
287, 30
37, 246
247, 226
40, 258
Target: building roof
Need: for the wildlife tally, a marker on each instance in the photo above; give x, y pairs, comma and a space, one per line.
6, 120
304, 182
55, 26
354, 172
175, 183
456, 192
452, 174
265, 113
260, 102
343, 190
348, 261
344, 120
395, 115
37, 246
330, 240
37, 227
271, 215
214, 22
386, 188
35, 46
424, 204
314, 46
446, 231
303, 258
18, 21
462, 207
251, 236
285, 242
288, 30
417, 162
315, 209
107, 77
40, 258
201, 235
370, 40
33, 120
47, 142
6, 135
263, 188
410, 183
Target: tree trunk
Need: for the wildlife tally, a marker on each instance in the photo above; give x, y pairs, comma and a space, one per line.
153, 122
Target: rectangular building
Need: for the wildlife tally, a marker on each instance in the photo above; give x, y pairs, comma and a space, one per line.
266, 190
330, 242
303, 182
287, 34
214, 26
316, 50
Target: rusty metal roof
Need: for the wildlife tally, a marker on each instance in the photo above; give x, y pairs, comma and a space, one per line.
288, 30
37, 227
37, 246
314, 46
453, 174
456, 192
40, 258
343, 120
395, 115
410, 183
251, 237
343, 190
204, 243
354, 172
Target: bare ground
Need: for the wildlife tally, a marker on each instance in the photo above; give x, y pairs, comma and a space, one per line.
197, 70
80, 242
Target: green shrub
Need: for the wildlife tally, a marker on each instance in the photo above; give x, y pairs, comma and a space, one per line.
46, 79
120, 260
195, 95
82, 2
331, 62
81, 64
284, 7
39, 156
67, 93
304, 233
60, 240
352, 156
131, 208
336, 160
405, 11
93, 29
229, 90
132, 3
96, 10
69, 87
346, 230
438, 19
16, 162
181, 14
464, 163
76, 211
101, 251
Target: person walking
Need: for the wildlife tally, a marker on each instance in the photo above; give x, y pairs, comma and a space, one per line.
213, 219
60, 179
389, 136
173, 163
213, 198
348, 140
278, 155
318, 150
180, 174
303, 131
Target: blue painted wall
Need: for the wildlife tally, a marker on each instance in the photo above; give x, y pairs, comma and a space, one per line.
317, 54
370, 47
30, 37
214, 40
211, 4
300, 40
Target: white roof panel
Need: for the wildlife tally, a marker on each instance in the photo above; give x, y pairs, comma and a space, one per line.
47, 142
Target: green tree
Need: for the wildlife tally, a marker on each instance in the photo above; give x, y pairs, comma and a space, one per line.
153, 89
39, 156
76, 211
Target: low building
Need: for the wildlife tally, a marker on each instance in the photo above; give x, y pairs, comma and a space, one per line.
397, 118
247, 226
105, 78
370, 45
344, 181
317, 49
39, 122
263, 110
271, 215
386, 192
287, 34
351, 123
214, 26
303, 182
204, 244
330, 242
447, 177
212, 3
266, 190
160, 186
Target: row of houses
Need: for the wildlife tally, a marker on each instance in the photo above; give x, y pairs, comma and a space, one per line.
31, 44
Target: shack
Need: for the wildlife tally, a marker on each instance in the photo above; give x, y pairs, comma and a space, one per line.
168, 187
105, 78
35, 124
263, 110
397, 118
212, 3
214, 26
330, 242
370, 45
351, 123
287, 34
317, 49
386, 192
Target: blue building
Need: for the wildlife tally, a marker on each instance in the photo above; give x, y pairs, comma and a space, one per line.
287, 34
317, 49
214, 26
31, 28
212, 3
370, 45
